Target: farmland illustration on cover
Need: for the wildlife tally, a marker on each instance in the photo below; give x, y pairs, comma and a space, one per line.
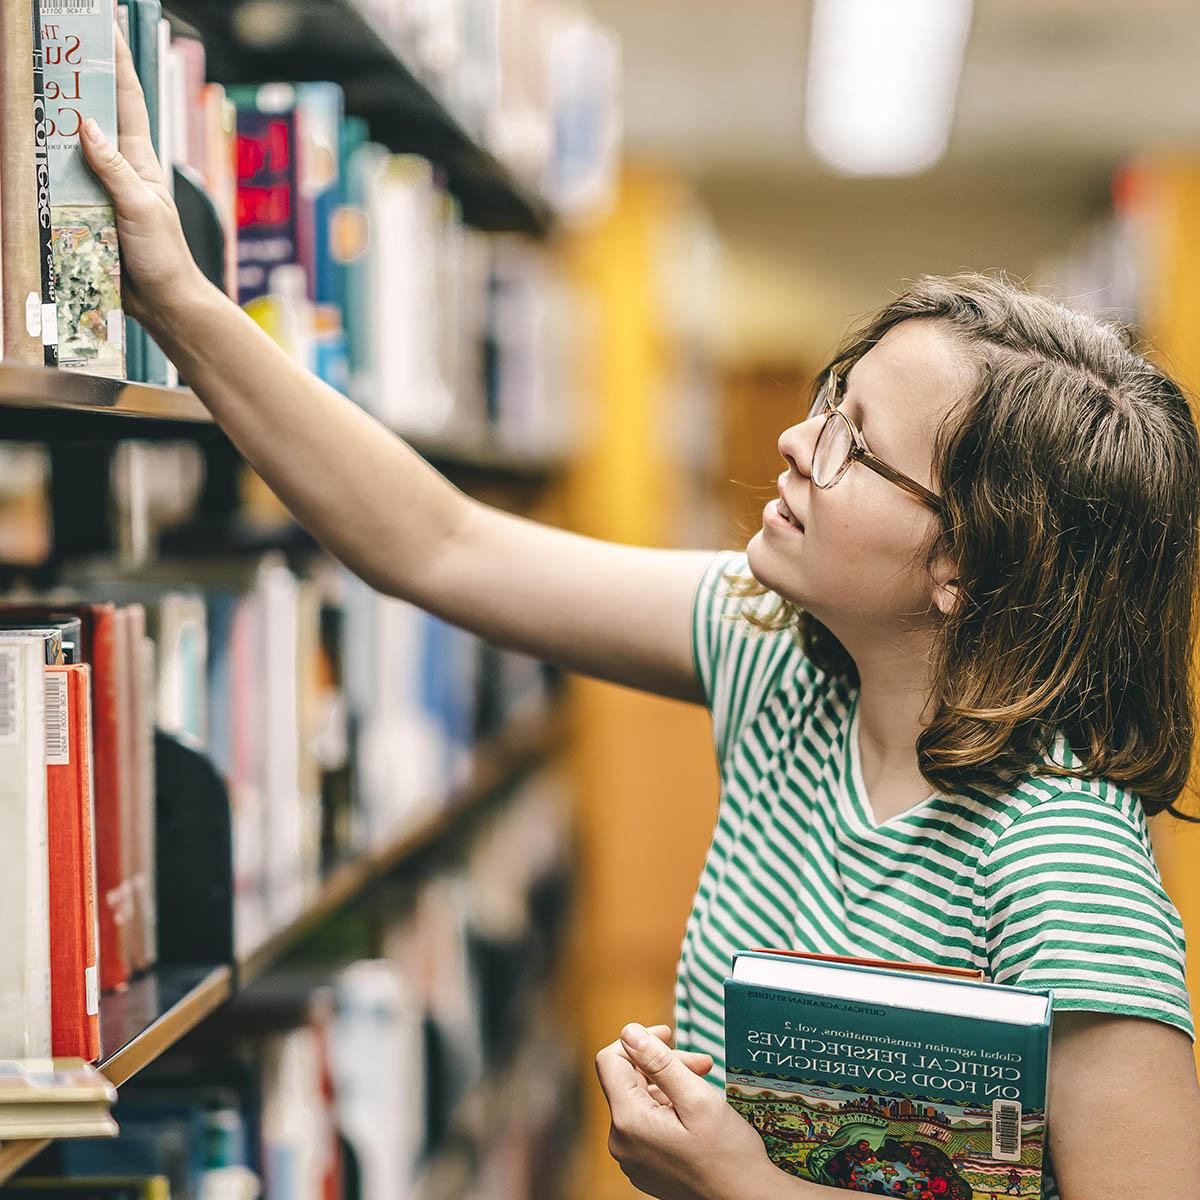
868, 1141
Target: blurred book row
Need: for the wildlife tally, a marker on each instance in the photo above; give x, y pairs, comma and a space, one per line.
536, 82
355, 259
337, 719
368, 1081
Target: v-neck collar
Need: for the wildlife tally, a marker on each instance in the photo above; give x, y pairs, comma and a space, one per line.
852, 791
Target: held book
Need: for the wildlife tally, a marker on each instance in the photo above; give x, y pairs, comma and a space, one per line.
80, 82
889, 1078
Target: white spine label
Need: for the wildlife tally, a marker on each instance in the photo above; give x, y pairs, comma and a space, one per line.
49, 325
33, 315
116, 328
91, 983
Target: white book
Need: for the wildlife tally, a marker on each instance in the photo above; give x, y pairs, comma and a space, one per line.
25, 882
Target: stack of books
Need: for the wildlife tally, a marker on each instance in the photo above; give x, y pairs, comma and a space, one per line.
61, 1097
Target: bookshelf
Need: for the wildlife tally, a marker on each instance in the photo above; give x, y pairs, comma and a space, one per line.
160, 1007
336, 41
44, 404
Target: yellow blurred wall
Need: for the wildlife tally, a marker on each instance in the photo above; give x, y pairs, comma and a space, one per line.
1170, 196
645, 768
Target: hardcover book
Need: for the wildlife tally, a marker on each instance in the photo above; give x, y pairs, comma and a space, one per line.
80, 82
74, 953
25, 883
889, 1079
26, 271
267, 207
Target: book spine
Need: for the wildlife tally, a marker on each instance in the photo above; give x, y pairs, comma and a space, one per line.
266, 188
18, 210
110, 868
85, 768
45, 224
74, 1031
80, 83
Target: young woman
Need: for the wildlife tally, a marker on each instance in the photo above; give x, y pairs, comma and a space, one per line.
985, 538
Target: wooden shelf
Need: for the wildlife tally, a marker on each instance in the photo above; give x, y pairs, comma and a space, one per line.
334, 40
45, 404
136, 1026
502, 760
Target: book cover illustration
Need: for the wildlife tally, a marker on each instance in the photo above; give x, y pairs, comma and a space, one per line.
885, 1100
80, 82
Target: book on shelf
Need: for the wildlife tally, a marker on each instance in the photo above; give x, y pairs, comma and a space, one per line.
54, 1097
80, 83
889, 1077
143, 25
25, 965
74, 935
149, 1187
30, 324
100, 649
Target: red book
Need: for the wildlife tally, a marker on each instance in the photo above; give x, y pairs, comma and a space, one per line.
99, 649
887, 963
74, 969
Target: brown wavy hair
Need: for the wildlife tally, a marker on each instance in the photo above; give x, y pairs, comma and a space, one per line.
1070, 475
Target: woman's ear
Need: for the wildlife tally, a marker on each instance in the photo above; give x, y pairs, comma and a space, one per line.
946, 590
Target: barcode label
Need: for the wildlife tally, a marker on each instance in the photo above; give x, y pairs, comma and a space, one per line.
58, 731
70, 8
10, 705
1006, 1130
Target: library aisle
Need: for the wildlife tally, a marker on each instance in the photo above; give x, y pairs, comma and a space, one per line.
313, 894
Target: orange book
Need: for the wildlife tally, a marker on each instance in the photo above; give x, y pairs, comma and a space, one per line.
74, 967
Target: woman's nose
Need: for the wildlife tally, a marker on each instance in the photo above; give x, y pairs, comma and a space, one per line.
796, 445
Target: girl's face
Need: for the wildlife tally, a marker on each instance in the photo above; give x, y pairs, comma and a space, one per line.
854, 564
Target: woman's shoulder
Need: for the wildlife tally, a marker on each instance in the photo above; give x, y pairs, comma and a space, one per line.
1049, 813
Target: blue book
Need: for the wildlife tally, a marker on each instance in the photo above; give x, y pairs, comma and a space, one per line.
140, 21
890, 1079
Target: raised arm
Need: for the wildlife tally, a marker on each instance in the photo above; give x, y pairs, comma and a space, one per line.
616, 612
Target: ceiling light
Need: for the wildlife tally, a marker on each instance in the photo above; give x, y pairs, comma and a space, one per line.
882, 78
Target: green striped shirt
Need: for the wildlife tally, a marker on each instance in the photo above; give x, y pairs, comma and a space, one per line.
1052, 885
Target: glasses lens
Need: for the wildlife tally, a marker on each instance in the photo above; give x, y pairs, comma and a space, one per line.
831, 451
824, 398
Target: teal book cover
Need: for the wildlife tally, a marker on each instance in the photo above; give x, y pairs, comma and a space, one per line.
888, 1100
80, 82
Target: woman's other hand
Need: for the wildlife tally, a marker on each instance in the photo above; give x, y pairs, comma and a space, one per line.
158, 267
673, 1134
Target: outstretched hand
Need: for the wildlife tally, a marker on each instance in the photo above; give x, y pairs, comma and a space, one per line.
673, 1133
157, 264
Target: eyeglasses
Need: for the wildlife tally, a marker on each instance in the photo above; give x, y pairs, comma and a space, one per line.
841, 443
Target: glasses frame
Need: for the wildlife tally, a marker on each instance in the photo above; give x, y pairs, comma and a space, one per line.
860, 452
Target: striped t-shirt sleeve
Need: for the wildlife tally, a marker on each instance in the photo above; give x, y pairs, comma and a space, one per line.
1076, 904
737, 665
